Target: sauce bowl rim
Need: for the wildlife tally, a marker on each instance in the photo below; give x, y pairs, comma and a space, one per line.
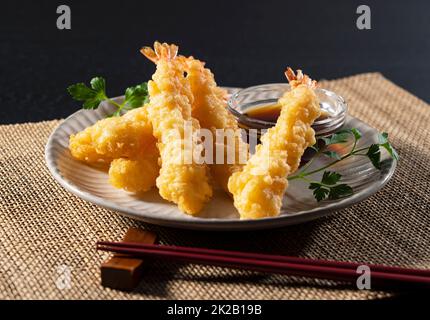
232, 106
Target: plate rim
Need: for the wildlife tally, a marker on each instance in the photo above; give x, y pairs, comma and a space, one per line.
196, 223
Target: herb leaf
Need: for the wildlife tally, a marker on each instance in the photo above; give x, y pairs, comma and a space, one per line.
330, 178
393, 153
137, 96
383, 137
91, 97
98, 84
374, 155
357, 134
339, 191
338, 137
383, 142
320, 192
80, 92
328, 187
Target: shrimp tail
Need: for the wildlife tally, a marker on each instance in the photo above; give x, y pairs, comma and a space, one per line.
160, 51
299, 78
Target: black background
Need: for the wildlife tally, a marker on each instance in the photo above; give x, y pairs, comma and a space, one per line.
244, 43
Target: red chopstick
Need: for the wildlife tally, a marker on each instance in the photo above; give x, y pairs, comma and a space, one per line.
344, 271
271, 257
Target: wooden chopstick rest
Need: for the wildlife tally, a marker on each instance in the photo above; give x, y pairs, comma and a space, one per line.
122, 271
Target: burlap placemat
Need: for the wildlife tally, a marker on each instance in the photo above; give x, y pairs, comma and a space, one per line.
47, 233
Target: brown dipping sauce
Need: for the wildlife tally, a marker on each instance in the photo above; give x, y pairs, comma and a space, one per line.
271, 112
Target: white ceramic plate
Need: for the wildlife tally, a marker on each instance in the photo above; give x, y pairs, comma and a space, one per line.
92, 185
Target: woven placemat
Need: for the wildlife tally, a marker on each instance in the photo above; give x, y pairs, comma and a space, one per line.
47, 235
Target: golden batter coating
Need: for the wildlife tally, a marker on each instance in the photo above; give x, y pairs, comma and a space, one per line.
137, 174
209, 108
182, 182
82, 148
259, 188
114, 137
127, 144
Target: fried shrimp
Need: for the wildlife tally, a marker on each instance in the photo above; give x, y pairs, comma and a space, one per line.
82, 148
127, 144
209, 108
114, 137
137, 174
259, 188
182, 182
124, 136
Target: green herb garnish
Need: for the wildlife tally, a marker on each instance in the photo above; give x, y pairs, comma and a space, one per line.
329, 186
92, 96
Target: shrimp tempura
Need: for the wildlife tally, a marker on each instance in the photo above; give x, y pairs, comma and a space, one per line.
209, 108
114, 137
183, 183
137, 174
259, 188
126, 143
82, 148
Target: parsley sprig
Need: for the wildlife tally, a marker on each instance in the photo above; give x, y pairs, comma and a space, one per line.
329, 186
92, 96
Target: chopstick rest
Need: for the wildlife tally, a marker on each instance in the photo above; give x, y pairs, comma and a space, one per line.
123, 271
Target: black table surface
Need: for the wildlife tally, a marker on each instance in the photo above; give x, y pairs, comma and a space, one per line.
244, 43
